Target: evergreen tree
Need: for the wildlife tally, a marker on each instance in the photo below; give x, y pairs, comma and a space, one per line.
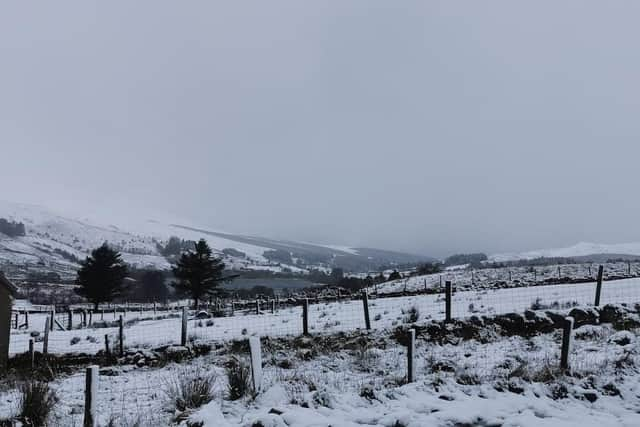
198, 274
101, 277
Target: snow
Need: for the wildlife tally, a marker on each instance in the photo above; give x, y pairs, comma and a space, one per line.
580, 249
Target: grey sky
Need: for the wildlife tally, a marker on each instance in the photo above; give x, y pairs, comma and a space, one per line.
430, 127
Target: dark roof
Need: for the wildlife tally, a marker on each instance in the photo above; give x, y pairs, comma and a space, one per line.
13, 290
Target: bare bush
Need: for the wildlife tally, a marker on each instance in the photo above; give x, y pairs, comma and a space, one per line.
238, 379
190, 389
36, 402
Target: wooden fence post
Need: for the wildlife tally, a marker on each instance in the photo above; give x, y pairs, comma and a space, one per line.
365, 305
91, 397
53, 318
90, 317
599, 285
26, 318
567, 333
256, 363
70, 319
106, 345
305, 317
32, 353
121, 336
447, 302
273, 306
257, 306
45, 343
183, 335
411, 347
154, 308
102, 314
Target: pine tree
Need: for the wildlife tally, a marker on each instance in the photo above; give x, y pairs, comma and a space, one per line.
198, 274
101, 277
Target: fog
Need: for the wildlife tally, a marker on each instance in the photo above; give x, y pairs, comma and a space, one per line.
429, 127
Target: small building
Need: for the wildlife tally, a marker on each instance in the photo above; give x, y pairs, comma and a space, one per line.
8, 292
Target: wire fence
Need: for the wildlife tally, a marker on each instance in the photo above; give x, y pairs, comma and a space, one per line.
91, 331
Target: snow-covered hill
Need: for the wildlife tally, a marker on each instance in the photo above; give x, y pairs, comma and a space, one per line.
582, 249
54, 242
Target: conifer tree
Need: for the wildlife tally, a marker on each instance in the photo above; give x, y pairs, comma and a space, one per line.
101, 277
198, 273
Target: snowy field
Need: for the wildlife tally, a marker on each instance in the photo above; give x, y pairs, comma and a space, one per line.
328, 317
488, 278
355, 381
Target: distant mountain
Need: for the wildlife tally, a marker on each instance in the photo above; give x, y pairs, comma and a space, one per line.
583, 251
55, 242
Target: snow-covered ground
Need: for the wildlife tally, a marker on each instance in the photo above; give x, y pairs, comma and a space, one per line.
356, 380
488, 278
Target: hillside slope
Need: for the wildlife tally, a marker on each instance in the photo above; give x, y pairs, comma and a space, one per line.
56, 242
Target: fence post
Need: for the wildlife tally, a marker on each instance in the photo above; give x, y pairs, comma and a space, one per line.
106, 345
411, 347
53, 318
70, 319
26, 318
257, 306
32, 353
45, 343
90, 317
154, 308
102, 314
183, 335
256, 363
447, 310
599, 285
567, 333
365, 305
509, 275
628, 268
90, 396
305, 317
273, 306
121, 336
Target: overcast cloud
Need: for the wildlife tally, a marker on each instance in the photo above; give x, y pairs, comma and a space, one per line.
424, 126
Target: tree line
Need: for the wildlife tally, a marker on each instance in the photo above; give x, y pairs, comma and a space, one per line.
12, 228
104, 276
